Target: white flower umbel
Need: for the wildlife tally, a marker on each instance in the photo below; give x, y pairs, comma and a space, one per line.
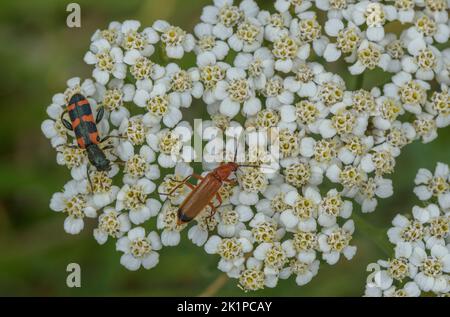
422, 259
254, 69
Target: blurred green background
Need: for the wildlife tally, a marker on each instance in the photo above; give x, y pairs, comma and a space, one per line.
38, 53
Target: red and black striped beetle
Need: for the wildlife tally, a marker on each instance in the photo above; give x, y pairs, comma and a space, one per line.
85, 128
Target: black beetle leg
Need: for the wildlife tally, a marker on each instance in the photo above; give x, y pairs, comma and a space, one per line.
89, 179
100, 114
66, 123
106, 138
70, 146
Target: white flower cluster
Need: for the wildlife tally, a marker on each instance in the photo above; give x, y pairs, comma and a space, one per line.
139, 143
256, 70
421, 264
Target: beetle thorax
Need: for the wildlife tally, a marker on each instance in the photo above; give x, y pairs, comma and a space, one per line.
97, 158
225, 170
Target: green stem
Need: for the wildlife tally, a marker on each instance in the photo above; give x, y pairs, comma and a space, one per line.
215, 286
359, 81
375, 234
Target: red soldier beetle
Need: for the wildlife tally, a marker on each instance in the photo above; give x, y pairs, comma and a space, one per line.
205, 191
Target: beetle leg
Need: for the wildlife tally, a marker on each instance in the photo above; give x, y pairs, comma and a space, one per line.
66, 123
109, 147
100, 114
89, 179
196, 176
106, 138
230, 181
119, 161
219, 199
181, 183
70, 146
214, 208
172, 191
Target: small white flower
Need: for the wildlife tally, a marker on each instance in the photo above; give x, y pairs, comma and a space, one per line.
370, 190
334, 241
298, 6
168, 222
224, 16
206, 223
184, 84
259, 66
237, 90
113, 99
113, 34
137, 43
175, 40
139, 165
248, 36
231, 252
159, 106
275, 25
108, 61
231, 220
75, 204
303, 270
274, 199
133, 132
431, 268
111, 224
302, 212
173, 145
100, 185
134, 198
139, 249
208, 42
370, 55
436, 185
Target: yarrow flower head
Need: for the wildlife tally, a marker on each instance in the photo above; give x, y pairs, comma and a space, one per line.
422, 261
316, 147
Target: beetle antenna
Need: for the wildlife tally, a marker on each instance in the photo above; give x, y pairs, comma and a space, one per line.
258, 166
119, 161
89, 179
237, 146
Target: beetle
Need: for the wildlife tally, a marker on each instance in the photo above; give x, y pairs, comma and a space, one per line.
85, 128
205, 191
